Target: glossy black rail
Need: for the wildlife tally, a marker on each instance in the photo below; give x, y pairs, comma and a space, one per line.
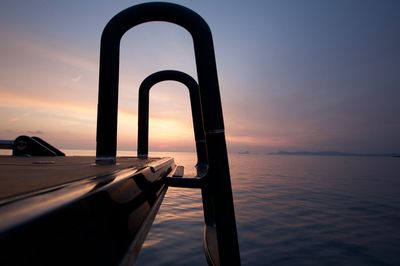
197, 117
217, 185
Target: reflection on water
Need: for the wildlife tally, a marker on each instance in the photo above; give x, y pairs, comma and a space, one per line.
178, 227
178, 230
296, 210
290, 210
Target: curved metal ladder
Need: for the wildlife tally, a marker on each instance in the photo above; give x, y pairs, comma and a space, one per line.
220, 234
143, 112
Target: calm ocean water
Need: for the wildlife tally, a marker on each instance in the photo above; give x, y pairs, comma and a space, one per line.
290, 210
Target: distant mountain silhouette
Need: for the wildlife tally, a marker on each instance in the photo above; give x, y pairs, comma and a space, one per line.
333, 153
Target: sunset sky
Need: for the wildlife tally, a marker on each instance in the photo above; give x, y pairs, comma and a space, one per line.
294, 75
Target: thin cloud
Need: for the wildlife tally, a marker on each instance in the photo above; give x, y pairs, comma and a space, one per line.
77, 78
18, 118
58, 55
22, 100
35, 132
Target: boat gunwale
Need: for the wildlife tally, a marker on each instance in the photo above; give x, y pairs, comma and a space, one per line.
22, 208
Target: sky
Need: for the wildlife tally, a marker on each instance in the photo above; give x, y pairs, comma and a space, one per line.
294, 75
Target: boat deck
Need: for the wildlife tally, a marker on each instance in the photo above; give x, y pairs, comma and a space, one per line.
73, 209
21, 175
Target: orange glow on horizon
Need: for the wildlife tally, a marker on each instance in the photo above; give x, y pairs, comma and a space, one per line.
16, 100
65, 121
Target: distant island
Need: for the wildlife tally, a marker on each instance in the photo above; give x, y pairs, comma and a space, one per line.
333, 153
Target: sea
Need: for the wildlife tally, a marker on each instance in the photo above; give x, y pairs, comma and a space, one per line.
290, 210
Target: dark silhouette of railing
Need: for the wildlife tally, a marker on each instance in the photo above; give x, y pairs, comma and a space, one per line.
197, 117
216, 184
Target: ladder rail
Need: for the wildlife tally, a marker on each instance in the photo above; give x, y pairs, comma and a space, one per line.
109, 69
197, 116
217, 183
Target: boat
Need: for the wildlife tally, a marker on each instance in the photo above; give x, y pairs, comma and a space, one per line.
59, 210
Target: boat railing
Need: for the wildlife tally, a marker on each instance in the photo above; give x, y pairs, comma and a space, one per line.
197, 118
215, 183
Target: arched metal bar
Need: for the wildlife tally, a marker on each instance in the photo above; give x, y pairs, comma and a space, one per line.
197, 117
109, 69
217, 179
